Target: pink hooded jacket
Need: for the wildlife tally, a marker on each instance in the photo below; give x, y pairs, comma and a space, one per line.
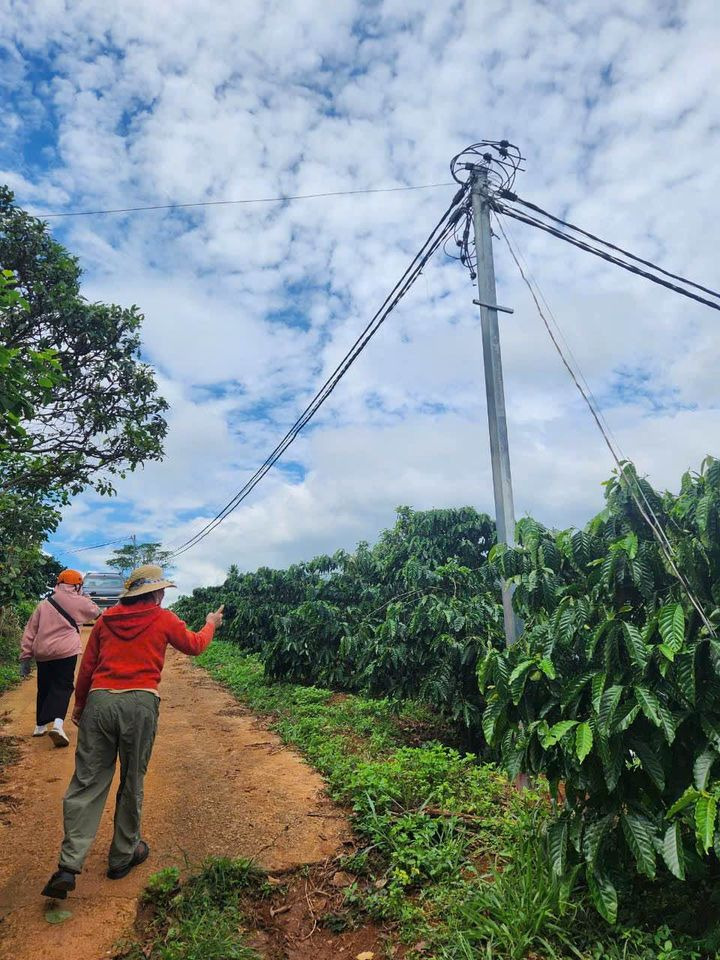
48, 635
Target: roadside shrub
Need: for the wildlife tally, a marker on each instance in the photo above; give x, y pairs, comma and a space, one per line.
613, 691
10, 635
405, 619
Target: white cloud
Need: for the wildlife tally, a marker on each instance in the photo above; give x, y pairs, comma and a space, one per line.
614, 110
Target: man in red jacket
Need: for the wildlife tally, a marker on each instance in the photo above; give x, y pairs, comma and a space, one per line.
116, 710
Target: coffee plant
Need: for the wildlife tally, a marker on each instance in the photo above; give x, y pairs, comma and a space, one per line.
613, 690
406, 618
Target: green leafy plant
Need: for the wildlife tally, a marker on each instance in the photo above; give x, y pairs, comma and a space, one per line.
517, 908
404, 619
200, 919
612, 691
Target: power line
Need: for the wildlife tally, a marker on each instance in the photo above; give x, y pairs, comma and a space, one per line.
561, 336
509, 195
435, 239
647, 512
227, 203
534, 222
97, 546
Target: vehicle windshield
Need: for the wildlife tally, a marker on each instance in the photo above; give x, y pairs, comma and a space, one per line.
110, 584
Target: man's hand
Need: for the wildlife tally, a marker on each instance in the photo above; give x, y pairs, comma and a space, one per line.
216, 617
76, 717
25, 668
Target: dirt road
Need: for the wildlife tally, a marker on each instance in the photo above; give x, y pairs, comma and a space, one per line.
218, 784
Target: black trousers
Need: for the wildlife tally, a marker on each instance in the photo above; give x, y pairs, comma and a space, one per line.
55, 684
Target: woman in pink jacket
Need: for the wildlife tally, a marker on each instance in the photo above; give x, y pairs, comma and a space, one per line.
52, 637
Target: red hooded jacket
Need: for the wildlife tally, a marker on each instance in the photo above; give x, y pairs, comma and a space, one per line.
126, 649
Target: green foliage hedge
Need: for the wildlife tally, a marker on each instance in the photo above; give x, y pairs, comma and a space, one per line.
612, 692
406, 618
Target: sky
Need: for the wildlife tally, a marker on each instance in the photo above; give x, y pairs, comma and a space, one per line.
248, 307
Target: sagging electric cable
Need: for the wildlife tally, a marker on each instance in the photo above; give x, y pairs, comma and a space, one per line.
646, 511
589, 248
436, 238
286, 198
561, 335
509, 195
574, 361
96, 546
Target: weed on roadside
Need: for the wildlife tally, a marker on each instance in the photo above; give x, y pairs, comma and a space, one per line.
200, 919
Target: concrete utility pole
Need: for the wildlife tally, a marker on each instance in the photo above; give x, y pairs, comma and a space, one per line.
497, 421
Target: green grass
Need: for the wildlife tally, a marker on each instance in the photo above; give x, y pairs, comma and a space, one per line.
426, 813
453, 856
200, 919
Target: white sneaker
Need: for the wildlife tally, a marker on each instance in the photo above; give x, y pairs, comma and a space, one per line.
40, 731
58, 735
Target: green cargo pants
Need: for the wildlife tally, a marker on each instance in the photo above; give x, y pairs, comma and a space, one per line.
112, 725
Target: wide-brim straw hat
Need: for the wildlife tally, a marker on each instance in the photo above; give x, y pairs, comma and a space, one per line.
145, 579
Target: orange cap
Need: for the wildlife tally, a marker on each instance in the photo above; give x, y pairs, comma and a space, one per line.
71, 576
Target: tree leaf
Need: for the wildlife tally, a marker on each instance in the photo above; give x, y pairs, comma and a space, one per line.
637, 649
501, 673
649, 761
603, 894
557, 846
711, 729
649, 705
593, 836
672, 851
597, 635
671, 623
611, 753
642, 576
547, 667
702, 767
668, 722
608, 705
598, 685
583, 741
685, 675
684, 800
627, 720
640, 836
702, 515
572, 691
556, 732
490, 718
484, 667
518, 678
705, 810
712, 473
667, 652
